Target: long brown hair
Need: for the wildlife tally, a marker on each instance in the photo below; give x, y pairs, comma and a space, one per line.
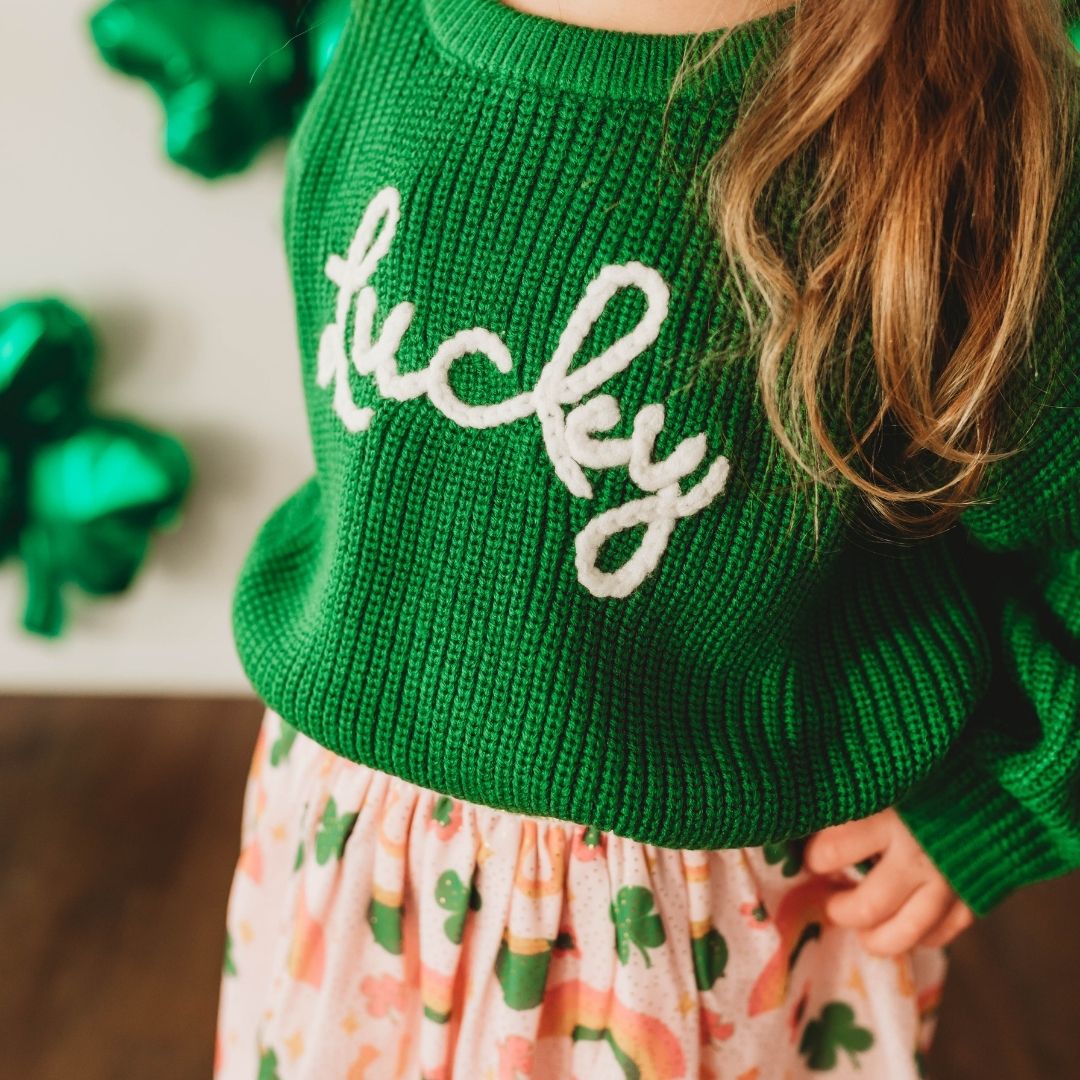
942, 133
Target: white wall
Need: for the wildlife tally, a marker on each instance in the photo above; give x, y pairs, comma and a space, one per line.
186, 284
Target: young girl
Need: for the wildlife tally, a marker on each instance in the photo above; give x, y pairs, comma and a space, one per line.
696, 425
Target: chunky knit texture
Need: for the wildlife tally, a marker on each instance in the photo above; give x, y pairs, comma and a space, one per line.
552, 559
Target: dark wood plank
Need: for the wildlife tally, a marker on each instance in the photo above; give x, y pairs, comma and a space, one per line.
121, 824
1011, 1008
122, 821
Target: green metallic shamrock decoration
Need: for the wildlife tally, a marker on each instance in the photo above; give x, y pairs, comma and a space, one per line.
230, 74
326, 21
80, 493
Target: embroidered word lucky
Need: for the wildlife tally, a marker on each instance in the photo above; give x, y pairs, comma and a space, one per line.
568, 435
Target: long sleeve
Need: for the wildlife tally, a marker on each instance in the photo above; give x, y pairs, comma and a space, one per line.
1003, 807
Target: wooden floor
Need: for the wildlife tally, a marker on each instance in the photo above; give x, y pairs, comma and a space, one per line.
120, 825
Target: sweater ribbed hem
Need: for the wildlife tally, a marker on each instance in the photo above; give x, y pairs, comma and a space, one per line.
492, 36
983, 841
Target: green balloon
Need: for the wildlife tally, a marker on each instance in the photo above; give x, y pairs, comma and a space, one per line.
46, 356
9, 501
225, 70
79, 493
326, 22
93, 499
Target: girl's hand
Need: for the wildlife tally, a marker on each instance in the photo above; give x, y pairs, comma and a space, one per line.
903, 901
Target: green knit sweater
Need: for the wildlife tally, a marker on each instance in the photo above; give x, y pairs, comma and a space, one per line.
552, 559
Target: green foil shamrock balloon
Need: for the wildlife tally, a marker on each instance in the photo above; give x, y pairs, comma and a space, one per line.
219, 67
231, 74
325, 22
80, 493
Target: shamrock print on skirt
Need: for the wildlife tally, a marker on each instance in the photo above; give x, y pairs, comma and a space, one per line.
835, 1028
376, 929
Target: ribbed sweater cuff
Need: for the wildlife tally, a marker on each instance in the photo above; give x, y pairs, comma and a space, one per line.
985, 842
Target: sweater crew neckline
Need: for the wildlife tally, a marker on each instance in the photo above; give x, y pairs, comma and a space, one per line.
494, 37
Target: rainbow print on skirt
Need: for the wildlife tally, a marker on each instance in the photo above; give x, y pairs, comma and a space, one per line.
377, 929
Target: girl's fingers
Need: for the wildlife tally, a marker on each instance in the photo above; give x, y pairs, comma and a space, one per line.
841, 846
874, 899
955, 921
906, 928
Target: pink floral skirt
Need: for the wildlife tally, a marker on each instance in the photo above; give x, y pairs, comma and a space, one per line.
377, 929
